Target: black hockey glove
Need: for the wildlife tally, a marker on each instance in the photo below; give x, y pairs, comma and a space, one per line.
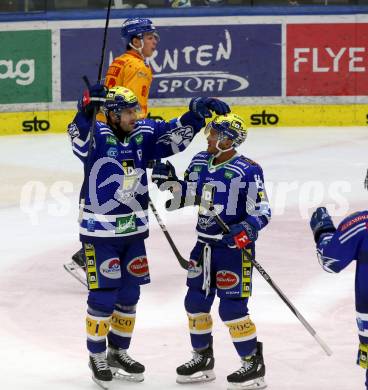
162, 173
93, 98
202, 107
321, 223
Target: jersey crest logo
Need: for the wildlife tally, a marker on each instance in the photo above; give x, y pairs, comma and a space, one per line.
178, 136
205, 222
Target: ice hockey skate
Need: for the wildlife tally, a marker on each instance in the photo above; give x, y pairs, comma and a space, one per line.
123, 366
199, 369
101, 373
250, 375
77, 267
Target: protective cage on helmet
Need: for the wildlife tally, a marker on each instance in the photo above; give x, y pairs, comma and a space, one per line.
229, 126
136, 27
119, 98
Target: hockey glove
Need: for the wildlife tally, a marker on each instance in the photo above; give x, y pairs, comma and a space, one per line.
321, 223
202, 107
93, 98
240, 235
163, 172
366, 181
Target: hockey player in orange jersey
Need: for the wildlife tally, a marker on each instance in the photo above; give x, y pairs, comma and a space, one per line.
130, 69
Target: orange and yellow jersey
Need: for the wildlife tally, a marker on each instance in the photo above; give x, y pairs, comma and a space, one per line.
129, 70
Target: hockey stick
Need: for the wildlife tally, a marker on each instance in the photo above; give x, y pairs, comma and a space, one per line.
183, 263
76, 271
92, 128
73, 267
268, 279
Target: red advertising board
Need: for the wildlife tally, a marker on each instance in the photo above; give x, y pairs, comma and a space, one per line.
327, 59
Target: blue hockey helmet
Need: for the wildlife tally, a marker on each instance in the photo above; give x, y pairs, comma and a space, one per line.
119, 98
136, 27
229, 126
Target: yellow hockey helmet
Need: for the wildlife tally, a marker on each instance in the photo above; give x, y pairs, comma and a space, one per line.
119, 98
229, 126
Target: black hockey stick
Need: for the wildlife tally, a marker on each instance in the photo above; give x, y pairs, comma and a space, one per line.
183, 263
268, 279
92, 128
73, 266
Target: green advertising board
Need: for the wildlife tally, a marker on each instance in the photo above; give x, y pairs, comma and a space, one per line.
25, 66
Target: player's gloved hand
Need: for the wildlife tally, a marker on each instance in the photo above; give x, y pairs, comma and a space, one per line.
240, 235
163, 172
321, 223
93, 98
202, 107
366, 181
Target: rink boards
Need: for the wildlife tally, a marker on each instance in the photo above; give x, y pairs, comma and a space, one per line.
38, 122
279, 70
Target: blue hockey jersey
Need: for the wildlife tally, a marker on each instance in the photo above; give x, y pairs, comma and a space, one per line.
337, 250
234, 188
116, 193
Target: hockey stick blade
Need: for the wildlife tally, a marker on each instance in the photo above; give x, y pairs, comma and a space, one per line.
269, 280
71, 268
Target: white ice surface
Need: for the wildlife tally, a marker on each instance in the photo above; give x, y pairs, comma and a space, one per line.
42, 309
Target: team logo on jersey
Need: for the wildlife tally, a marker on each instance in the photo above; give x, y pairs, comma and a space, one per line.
226, 280
111, 268
205, 222
138, 266
194, 269
178, 136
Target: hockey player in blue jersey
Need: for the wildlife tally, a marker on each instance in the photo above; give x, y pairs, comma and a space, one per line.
233, 185
113, 221
336, 249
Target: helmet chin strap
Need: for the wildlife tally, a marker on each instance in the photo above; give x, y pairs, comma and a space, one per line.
138, 49
220, 151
